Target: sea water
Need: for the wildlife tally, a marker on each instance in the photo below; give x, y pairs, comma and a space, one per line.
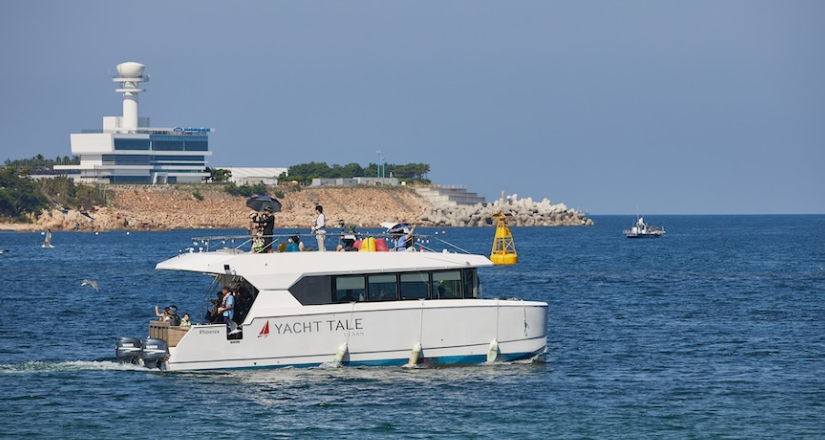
715, 330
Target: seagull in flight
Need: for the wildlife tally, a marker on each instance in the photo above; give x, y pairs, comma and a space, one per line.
90, 283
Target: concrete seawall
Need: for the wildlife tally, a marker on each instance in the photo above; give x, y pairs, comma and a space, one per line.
162, 207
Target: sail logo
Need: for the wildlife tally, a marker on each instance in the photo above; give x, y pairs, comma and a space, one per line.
264, 331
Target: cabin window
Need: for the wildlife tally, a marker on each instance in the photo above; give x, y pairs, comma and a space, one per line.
348, 289
415, 285
443, 284
382, 287
447, 284
312, 290
472, 289
245, 295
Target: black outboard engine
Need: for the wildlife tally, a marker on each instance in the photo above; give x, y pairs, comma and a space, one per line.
155, 351
128, 350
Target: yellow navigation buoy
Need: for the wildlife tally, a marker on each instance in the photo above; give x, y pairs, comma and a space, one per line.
504, 249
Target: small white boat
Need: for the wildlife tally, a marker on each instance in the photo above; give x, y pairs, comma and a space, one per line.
308, 309
642, 230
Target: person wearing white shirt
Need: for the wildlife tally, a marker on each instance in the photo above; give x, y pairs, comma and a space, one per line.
318, 228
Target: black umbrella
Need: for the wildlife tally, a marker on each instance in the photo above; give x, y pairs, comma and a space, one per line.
400, 228
260, 203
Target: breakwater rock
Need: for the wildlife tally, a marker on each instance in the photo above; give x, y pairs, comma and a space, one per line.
524, 212
163, 207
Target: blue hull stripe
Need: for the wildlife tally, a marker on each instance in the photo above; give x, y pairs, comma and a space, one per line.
447, 361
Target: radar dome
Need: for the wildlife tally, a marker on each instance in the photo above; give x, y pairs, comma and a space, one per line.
130, 70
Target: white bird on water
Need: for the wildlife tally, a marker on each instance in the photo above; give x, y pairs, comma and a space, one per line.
90, 283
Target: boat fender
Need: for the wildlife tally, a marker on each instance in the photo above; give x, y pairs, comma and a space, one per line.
414, 354
340, 354
492, 353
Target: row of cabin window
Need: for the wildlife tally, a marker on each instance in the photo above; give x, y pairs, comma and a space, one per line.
448, 284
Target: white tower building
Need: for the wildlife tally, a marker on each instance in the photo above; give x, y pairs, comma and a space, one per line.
129, 150
131, 75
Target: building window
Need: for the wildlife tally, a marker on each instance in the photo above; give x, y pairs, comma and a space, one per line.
132, 144
196, 145
167, 145
196, 160
129, 179
124, 159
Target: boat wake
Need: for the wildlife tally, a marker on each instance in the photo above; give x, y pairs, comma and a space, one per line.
49, 367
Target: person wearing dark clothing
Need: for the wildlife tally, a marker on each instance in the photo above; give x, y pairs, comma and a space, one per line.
174, 319
212, 315
348, 238
267, 225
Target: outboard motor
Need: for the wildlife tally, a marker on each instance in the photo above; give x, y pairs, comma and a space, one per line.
154, 352
128, 350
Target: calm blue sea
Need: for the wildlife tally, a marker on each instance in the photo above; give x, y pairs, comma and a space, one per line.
716, 330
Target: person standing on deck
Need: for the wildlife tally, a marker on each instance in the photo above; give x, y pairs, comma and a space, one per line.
227, 308
267, 226
402, 239
318, 228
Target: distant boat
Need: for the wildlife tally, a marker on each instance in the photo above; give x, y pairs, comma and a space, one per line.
47, 243
643, 230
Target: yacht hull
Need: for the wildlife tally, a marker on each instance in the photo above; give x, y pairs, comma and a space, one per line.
450, 333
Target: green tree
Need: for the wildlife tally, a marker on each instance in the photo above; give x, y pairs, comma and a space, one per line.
260, 189
64, 192
221, 175
235, 190
19, 196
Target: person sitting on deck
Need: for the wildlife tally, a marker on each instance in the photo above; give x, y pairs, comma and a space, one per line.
174, 319
348, 239
294, 244
165, 317
257, 244
185, 323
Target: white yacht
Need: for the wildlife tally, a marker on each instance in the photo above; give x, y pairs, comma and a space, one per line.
307, 309
643, 230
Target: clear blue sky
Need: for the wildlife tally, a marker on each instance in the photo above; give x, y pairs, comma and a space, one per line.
674, 107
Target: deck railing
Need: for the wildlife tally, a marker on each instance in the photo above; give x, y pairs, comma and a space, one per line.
243, 243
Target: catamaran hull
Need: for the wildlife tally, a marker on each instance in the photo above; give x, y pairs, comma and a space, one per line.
428, 333
643, 235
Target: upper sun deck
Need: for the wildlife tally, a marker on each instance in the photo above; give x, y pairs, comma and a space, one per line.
278, 270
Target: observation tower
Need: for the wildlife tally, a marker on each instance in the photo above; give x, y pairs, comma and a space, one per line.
128, 150
130, 77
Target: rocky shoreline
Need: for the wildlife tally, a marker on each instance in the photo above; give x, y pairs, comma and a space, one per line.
164, 207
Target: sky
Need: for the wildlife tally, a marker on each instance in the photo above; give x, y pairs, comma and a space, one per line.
610, 107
